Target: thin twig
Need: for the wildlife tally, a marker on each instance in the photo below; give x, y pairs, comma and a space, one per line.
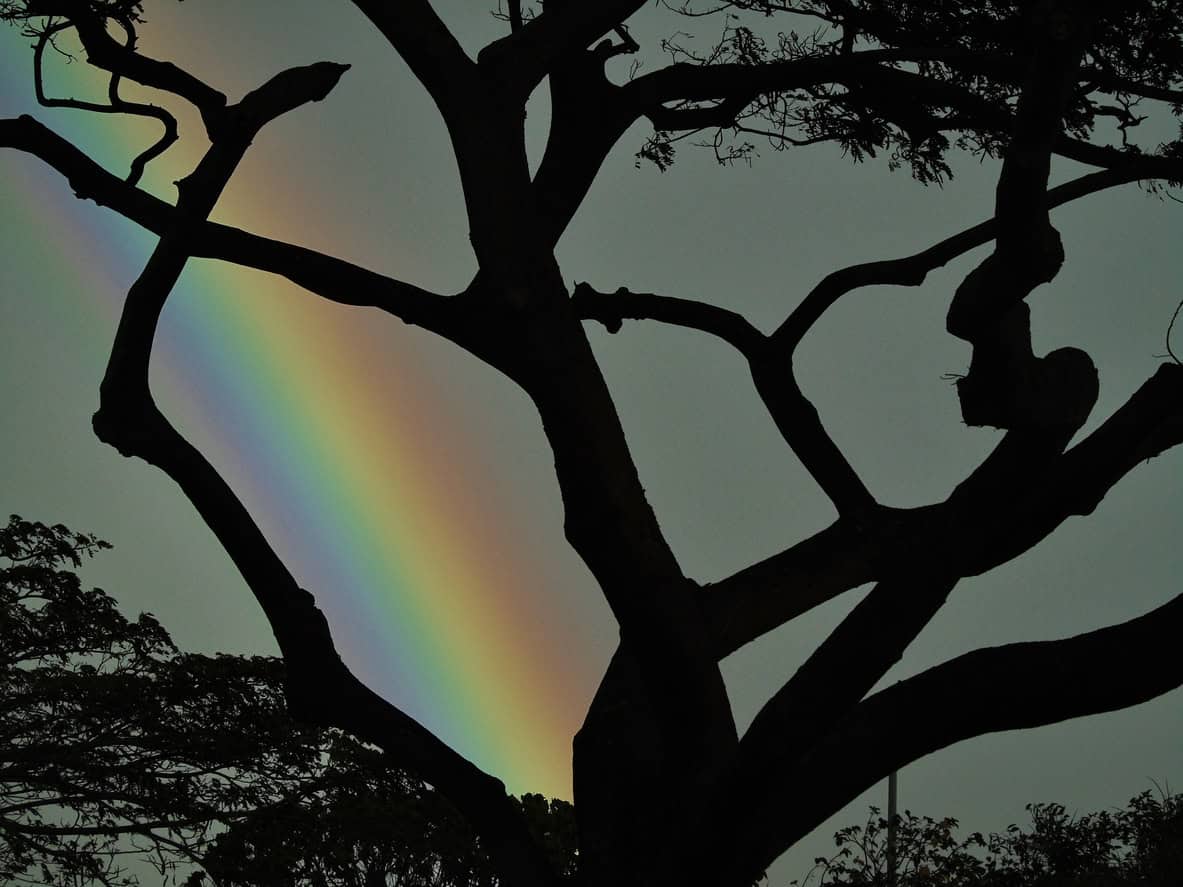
1170, 330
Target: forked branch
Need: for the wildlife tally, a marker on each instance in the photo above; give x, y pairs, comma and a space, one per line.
1011, 687
795, 417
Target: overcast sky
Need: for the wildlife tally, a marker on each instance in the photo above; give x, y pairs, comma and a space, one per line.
368, 173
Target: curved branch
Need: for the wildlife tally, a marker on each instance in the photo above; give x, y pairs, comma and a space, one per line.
792, 413
801, 426
913, 270
104, 51
117, 105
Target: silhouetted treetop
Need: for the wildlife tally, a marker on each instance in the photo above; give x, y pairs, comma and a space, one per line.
909, 79
1140, 845
115, 745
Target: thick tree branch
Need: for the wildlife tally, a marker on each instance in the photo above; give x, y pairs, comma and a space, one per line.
612, 527
971, 539
771, 592
913, 270
840, 672
523, 58
1011, 687
587, 120
327, 276
611, 309
1145, 426
768, 594
320, 688
792, 413
672, 677
801, 426
974, 535
431, 51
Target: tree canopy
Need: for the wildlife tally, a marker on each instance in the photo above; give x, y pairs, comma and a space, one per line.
1020, 82
116, 746
1140, 845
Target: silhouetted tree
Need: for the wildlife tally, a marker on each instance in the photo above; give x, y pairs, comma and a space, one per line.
1138, 846
666, 790
114, 745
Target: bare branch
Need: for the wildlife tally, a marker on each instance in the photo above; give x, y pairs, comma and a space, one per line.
800, 425
88, 180
767, 594
841, 671
117, 105
1016, 686
327, 276
913, 270
104, 51
792, 413
434, 55
611, 309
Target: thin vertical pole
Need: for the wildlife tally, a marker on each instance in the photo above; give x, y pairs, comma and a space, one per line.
891, 829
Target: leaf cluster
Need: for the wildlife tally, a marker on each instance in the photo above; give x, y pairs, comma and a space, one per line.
969, 63
113, 744
26, 11
1141, 844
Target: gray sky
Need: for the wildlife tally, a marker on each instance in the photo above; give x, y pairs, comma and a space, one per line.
722, 482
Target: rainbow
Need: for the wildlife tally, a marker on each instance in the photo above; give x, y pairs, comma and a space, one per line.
340, 444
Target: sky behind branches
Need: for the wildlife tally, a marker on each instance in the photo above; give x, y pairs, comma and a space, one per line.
411, 488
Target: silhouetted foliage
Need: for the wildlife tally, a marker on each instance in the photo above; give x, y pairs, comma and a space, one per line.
1140, 845
667, 791
116, 745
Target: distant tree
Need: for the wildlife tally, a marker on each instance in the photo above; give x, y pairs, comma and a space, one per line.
666, 790
1138, 846
116, 745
